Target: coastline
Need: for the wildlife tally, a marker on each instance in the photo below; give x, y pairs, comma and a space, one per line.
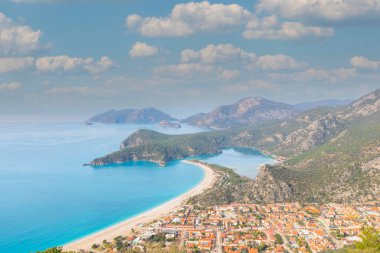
125, 226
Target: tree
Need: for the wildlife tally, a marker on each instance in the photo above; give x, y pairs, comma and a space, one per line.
279, 239
52, 250
370, 240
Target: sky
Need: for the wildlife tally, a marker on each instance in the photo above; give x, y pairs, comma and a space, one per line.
80, 57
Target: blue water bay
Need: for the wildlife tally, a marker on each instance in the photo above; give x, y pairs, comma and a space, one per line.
48, 198
245, 162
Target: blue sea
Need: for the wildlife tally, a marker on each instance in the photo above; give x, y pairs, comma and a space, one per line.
47, 198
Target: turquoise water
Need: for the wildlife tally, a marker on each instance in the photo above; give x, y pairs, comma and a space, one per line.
48, 198
245, 162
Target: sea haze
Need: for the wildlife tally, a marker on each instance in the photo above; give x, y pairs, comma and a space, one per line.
48, 198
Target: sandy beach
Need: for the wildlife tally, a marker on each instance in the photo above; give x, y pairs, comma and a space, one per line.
124, 227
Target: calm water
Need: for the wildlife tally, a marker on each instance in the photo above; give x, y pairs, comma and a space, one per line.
48, 198
245, 162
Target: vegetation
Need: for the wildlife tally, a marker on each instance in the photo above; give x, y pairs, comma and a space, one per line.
279, 239
331, 145
370, 243
53, 250
152, 146
228, 188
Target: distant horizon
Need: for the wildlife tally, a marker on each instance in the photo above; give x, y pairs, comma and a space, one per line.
182, 56
85, 115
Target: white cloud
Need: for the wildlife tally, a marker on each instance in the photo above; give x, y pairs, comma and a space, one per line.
10, 86
196, 71
362, 62
16, 39
184, 69
141, 49
331, 10
271, 29
188, 18
317, 74
220, 53
10, 64
278, 62
62, 62
66, 63
224, 54
229, 74
101, 66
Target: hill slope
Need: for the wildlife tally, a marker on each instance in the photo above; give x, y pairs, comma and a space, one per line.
248, 111
331, 154
144, 116
322, 103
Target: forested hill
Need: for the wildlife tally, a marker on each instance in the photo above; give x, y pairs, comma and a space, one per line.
332, 154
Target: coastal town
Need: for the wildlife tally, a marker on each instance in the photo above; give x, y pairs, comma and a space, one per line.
251, 228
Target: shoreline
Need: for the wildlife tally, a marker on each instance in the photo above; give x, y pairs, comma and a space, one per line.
127, 225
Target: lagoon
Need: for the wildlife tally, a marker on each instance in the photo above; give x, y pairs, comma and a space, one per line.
48, 198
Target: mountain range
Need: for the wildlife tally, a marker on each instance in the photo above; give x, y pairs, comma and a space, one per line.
248, 111
245, 112
323, 103
328, 154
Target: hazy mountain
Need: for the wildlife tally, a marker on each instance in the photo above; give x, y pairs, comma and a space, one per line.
248, 111
146, 115
322, 103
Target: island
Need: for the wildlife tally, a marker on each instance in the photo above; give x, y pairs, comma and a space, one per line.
165, 123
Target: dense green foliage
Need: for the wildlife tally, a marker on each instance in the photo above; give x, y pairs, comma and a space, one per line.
162, 148
53, 250
370, 243
228, 188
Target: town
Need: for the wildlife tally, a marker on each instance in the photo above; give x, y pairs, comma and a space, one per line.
252, 228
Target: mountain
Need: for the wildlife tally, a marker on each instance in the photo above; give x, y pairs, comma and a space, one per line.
328, 154
144, 116
322, 103
248, 111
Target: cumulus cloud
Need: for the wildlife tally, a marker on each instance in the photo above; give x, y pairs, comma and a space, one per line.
229, 74
10, 64
141, 49
317, 74
270, 28
225, 62
184, 69
64, 63
17, 39
101, 66
331, 10
278, 62
188, 18
220, 53
362, 62
229, 54
10, 86
195, 71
